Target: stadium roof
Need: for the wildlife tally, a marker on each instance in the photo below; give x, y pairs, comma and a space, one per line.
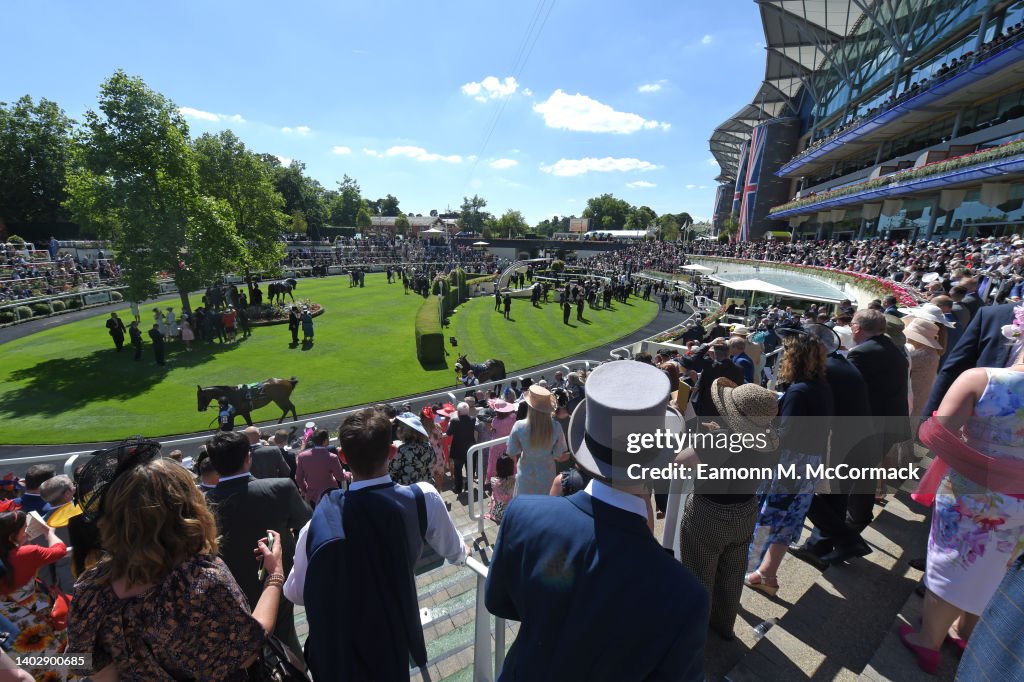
799, 35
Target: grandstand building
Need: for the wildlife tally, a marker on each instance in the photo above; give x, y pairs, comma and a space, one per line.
880, 118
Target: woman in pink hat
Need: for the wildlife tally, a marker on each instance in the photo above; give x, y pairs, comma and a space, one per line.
504, 420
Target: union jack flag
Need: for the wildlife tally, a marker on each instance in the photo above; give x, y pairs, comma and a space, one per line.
753, 168
737, 197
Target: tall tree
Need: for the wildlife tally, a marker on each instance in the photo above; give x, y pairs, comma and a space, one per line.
347, 203
35, 148
668, 228
229, 171
401, 224
388, 206
301, 193
512, 223
363, 220
135, 181
607, 213
472, 215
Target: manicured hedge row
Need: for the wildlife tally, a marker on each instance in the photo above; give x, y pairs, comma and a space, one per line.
429, 335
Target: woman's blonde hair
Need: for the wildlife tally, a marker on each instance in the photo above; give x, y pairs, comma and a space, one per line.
541, 429
154, 517
802, 360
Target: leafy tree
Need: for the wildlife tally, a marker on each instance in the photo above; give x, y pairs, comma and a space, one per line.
363, 220
402, 224
35, 149
299, 224
347, 203
684, 220
229, 171
512, 223
433, 213
388, 206
134, 180
472, 215
301, 193
668, 228
607, 213
544, 228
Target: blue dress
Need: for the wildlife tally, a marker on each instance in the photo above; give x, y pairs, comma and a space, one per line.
536, 464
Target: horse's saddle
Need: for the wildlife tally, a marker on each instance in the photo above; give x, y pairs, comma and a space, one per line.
251, 392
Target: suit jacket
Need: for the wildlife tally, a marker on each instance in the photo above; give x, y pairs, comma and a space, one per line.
702, 403
585, 576
981, 345
245, 509
268, 462
885, 368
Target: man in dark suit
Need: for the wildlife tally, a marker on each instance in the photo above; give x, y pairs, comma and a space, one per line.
246, 508
157, 337
597, 597
267, 460
982, 345
116, 329
884, 367
716, 363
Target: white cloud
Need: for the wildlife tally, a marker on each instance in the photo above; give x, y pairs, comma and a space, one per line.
527, 92
707, 39
285, 161
503, 163
702, 187
237, 118
581, 113
189, 112
640, 184
572, 167
712, 161
300, 130
421, 154
691, 187
651, 87
371, 152
342, 150
491, 88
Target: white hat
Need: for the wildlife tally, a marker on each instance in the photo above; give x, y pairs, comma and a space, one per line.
930, 312
413, 422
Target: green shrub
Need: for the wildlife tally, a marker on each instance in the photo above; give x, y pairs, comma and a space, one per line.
59, 306
116, 296
429, 335
6, 316
24, 312
74, 303
557, 265
15, 239
479, 280
40, 309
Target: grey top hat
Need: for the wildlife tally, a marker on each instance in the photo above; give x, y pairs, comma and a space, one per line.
622, 398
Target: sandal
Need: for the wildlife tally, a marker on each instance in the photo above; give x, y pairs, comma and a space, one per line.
762, 584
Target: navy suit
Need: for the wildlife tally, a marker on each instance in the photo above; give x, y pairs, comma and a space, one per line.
597, 596
982, 345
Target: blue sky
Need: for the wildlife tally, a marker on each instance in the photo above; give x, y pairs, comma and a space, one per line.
533, 105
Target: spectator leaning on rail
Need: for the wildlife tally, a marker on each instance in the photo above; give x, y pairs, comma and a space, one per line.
583, 574
354, 562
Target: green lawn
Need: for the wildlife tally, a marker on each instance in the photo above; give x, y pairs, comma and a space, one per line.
68, 385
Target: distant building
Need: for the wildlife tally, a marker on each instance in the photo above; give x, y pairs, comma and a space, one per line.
416, 223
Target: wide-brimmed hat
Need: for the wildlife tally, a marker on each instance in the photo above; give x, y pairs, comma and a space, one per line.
826, 335
622, 398
413, 422
540, 399
930, 312
749, 408
922, 332
740, 330
499, 405
845, 335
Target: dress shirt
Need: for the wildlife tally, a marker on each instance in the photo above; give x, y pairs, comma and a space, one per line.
441, 534
244, 474
616, 498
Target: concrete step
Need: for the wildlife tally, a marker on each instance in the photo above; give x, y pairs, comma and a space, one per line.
834, 627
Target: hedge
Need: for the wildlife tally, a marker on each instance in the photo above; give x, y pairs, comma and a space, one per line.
40, 309
429, 335
116, 296
6, 316
24, 312
74, 303
479, 280
59, 306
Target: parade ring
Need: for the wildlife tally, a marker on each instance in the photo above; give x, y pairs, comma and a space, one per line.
67, 384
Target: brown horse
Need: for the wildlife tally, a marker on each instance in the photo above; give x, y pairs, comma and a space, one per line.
491, 370
248, 397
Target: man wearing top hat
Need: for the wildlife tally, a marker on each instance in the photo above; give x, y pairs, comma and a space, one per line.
583, 574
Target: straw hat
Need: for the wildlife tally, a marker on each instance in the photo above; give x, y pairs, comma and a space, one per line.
740, 330
749, 408
622, 397
894, 329
922, 332
540, 399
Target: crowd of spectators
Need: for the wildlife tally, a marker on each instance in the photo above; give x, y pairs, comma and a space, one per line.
946, 70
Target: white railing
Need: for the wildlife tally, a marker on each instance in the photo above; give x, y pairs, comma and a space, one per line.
483, 671
87, 298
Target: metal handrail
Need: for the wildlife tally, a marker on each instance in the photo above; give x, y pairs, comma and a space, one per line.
476, 468
482, 669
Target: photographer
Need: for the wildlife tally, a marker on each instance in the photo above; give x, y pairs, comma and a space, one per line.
711, 361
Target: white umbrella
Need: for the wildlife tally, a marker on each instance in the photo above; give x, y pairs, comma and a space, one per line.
753, 285
481, 244
696, 268
432, 230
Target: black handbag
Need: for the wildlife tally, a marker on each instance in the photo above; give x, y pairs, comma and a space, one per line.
278, 663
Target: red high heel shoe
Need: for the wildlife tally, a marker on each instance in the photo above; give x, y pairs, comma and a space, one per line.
927, 659
960, 644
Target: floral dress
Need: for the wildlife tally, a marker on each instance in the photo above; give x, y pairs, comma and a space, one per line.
502, 491
413, 463
29, 607
975, 532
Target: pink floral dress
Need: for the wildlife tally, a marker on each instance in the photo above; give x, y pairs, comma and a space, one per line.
502, 492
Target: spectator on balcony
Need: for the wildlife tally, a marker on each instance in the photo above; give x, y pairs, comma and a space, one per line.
625, 608
357, 585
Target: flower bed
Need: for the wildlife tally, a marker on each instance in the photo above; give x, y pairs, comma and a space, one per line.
877, 285
267, 315
1003, 151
